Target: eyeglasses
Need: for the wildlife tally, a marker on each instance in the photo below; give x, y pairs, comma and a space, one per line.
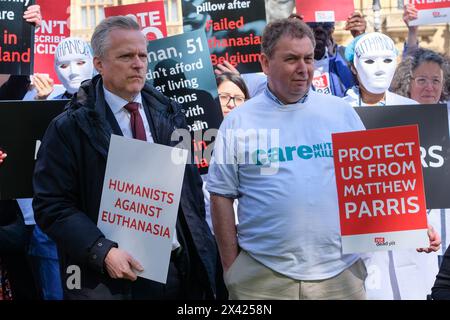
225, 98
422, 82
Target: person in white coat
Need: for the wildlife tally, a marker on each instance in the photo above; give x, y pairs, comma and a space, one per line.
399, 274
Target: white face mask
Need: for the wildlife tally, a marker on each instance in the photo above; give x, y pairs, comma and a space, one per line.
73, 63
375, 61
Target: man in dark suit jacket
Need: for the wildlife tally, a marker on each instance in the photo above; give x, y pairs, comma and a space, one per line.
70, 170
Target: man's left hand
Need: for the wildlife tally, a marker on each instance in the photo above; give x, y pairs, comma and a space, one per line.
435, 241
356, 24
33, 15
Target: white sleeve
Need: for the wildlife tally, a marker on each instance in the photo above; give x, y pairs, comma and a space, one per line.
223, 170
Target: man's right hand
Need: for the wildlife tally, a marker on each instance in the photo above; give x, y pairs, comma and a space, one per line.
2, 156
120, 265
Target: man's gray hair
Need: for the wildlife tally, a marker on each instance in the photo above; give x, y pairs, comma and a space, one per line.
100, 36
292, 28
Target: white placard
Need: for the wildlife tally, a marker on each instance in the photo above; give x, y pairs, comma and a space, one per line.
140, 198
432, 16
325, 16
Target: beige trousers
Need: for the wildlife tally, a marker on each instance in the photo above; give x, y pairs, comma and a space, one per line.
248, 279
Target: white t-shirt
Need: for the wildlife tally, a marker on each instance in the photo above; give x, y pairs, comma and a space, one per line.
207, 200
288, 207
321, 78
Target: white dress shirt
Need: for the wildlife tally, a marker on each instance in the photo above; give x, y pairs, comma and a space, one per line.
123, 116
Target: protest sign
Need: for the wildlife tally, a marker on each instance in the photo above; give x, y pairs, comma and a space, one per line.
434, 141
150, 16
22, 126
54, 28
380, 189
180, 68
140, 198
324, 10
16, 39
430, 11
233, 28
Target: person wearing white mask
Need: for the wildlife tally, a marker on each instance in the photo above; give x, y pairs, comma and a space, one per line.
73, 64
400, 274
374, 60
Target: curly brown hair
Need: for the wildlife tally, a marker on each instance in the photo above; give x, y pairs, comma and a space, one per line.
401, 83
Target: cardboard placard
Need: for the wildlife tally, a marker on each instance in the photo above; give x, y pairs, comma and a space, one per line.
325, 10
431, 11
434, 140
233, 28
54, 28
17, 39
140, 198
149, 15
179, 67
380, 189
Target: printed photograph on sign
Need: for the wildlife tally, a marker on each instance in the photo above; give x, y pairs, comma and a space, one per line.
324, 10
180, 68
150, 16
380, 189
233, 28
17, 39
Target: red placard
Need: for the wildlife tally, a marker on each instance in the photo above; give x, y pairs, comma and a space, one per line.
430, 4
54, 28
379, 181
149, 15
325, 10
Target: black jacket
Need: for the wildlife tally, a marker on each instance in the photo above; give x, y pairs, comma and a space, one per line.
15, 88
68, 182
14, 235
441, 288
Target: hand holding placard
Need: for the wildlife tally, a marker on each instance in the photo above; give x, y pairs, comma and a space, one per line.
435, 241
33, 15
121, 265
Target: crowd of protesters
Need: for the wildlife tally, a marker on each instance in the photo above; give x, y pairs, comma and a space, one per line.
239, 234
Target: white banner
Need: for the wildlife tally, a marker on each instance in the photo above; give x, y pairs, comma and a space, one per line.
139, 205
384, 241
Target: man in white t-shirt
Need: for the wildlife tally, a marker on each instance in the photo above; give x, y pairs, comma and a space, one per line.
274, 153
